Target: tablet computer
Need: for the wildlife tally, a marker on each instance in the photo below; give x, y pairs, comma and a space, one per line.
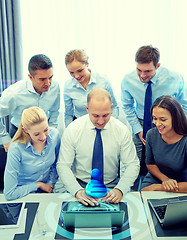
106, 215
10, 214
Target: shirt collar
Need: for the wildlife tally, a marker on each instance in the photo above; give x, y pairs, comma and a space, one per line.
92, 80
49, 137
156, 76
28, 145
30, 87
77, 84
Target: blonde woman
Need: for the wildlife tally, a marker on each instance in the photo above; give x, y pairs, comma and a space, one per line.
32, 156
82, 82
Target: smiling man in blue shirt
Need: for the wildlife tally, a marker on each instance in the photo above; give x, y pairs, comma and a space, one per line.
134, 84
39, 90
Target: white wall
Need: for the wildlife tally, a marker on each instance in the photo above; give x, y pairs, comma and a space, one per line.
110, 31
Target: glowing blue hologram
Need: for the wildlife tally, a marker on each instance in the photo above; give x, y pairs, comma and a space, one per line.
95, 188
95, 174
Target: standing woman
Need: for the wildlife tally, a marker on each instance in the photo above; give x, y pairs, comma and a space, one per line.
82, 82
32, 156
166, 148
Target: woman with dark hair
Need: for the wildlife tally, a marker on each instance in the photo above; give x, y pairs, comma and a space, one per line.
166, 147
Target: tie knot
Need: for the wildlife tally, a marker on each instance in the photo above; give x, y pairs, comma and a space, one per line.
98, 130
149, 83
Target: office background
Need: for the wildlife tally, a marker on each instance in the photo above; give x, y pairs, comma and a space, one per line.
110, 31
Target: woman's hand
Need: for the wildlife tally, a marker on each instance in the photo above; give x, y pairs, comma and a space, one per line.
45, 187
6, 146
140, 134
170, 185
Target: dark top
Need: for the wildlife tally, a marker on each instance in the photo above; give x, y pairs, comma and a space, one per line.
171, 159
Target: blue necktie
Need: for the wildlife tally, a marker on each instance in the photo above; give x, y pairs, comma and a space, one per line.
147, 121
97, 158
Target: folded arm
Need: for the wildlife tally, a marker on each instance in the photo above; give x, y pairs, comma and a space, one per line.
168, 184
11, 189
182, 188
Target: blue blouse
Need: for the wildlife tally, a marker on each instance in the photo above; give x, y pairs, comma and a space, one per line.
25, 166
75, 96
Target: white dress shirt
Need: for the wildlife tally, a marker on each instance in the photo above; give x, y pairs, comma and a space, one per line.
75, 156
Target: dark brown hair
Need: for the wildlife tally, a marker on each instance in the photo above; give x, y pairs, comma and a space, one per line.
179, 120
39, 62
147, 54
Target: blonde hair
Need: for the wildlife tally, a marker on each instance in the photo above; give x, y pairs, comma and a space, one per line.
30, 116
76, 54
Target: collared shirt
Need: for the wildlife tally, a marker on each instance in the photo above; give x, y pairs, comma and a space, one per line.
75, 96
75, 156
165, 82
25, 166
22, 95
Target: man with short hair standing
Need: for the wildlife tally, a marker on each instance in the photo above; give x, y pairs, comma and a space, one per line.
39, 90
160, 80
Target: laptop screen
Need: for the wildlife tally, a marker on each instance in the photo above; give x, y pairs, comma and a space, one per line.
76, 206
169, 211
75, 214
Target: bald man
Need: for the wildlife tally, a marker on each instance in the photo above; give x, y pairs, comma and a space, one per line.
75, 158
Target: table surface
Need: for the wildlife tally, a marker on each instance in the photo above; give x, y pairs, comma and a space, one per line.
47, 216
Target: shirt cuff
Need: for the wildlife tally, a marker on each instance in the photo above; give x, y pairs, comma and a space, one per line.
33, 187
137, 128
5, 139
122, 188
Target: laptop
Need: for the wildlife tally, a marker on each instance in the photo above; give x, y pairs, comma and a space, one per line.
169, 211
106, 215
